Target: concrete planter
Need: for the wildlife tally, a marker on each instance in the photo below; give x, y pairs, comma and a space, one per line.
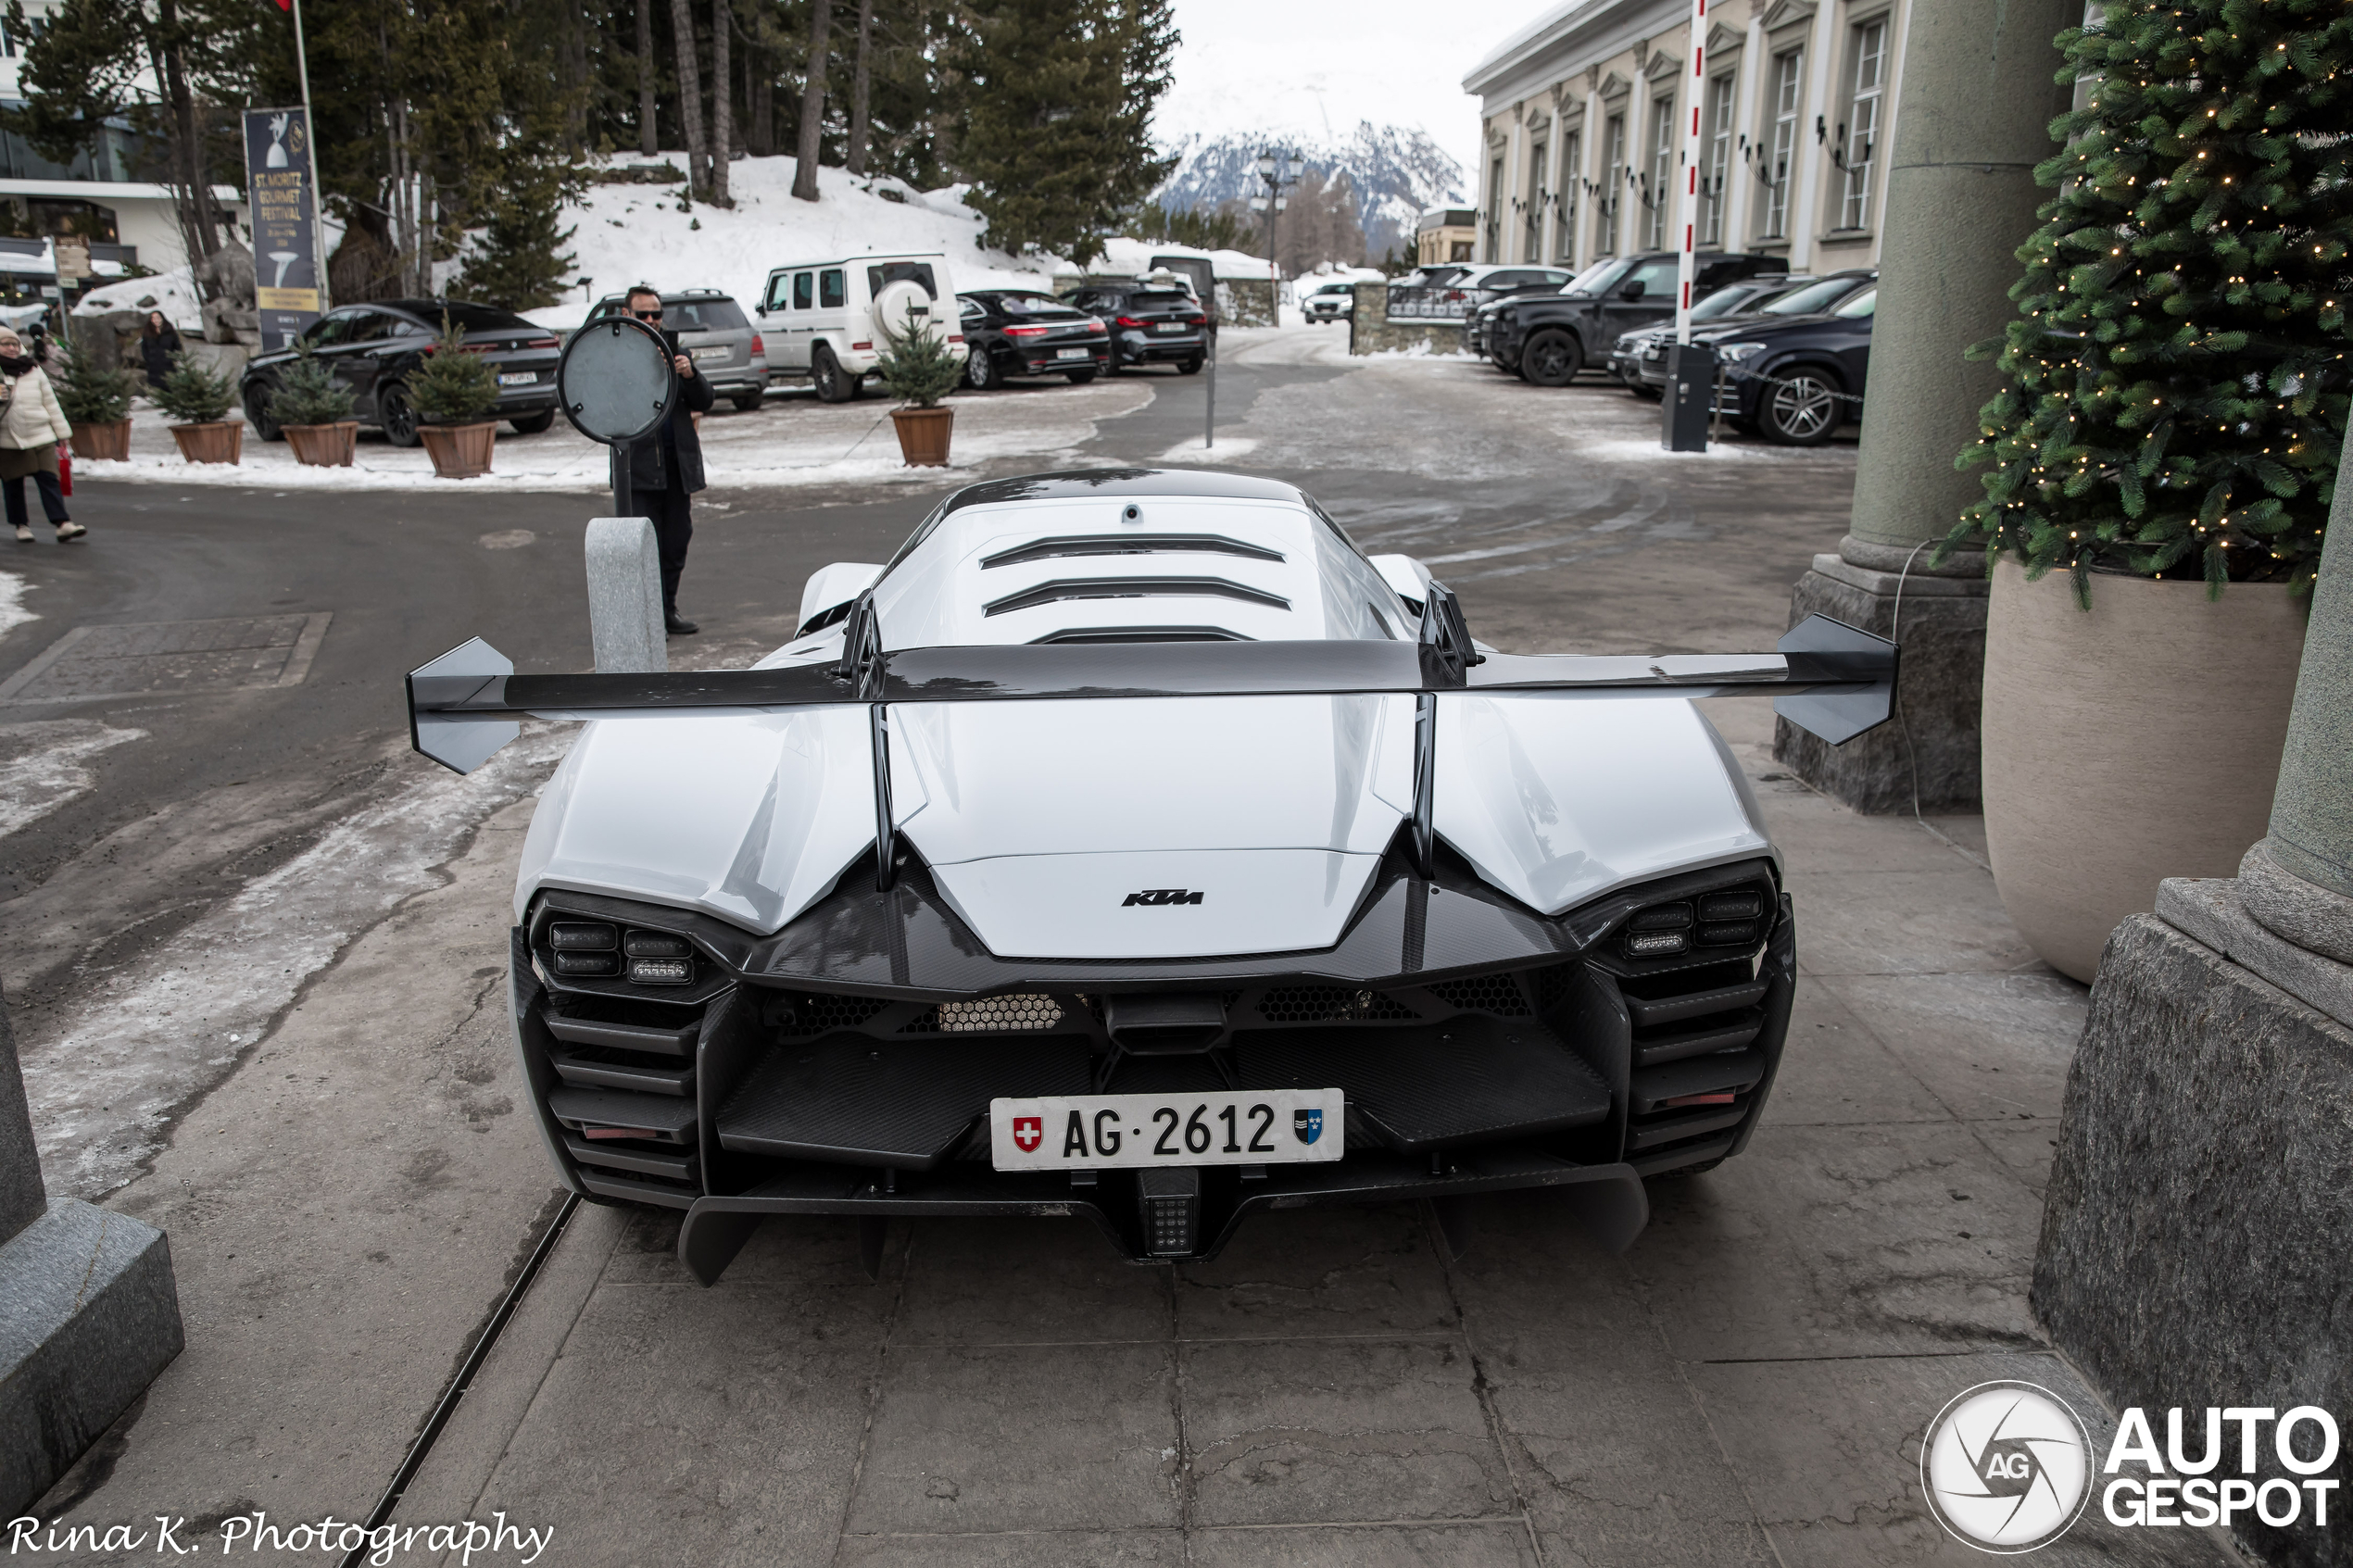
323, 446
219, 441
924, 435
111, 441
460, 451
2134, 741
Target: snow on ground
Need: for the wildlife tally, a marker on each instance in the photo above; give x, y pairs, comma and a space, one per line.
41, 765
12, 610
626, 235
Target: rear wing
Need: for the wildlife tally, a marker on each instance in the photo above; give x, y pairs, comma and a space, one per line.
1828, 678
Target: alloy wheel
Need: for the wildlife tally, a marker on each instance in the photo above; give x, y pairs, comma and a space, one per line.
1803, 409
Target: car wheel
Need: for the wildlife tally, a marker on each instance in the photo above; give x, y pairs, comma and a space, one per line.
394, 413
1190, 367
749, 402
1803, 409
533, 425
1551, 359
981, 372
257, 413
1078, 377
833, 383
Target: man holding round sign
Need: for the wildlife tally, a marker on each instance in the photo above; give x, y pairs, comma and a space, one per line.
665, 468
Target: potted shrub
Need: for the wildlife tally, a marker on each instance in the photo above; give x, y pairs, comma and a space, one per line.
451, 390
198, 401
313, 411
919, 368
2159, 463
96, 401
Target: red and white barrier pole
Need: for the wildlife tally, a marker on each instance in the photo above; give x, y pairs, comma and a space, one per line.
1687, 266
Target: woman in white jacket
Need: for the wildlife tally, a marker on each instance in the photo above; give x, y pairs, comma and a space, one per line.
30, 426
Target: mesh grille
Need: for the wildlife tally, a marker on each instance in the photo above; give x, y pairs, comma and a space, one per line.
1554, 985
816, 1014
1319, 1004
1029, 1011
1498, 994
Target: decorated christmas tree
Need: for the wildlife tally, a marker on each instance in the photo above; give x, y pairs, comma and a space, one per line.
2178, 371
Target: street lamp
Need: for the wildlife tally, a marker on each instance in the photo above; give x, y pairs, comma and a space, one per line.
1279, 173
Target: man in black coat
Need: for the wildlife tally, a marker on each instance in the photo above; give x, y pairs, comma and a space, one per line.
665, 469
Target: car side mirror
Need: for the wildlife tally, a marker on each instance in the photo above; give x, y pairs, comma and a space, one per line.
1632, 289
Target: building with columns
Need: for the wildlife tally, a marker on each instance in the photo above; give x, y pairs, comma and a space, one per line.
1582, 114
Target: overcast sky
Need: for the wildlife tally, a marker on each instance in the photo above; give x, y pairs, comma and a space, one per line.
1300, 65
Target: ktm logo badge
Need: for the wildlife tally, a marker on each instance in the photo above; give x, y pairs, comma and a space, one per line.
1157, 896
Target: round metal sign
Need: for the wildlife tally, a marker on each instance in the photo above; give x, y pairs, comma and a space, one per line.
615, 382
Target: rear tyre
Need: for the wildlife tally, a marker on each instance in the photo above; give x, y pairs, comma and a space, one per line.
749, 402
1804, 408
1551, 358
258, 414
1078, 377
981, 372
533, 425
394, 413
1190, 367
833, 383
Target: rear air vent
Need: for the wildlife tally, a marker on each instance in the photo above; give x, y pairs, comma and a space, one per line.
1331, 1004
1065, 589
1498, 994
819, 1014
1016, 1014
1129, 545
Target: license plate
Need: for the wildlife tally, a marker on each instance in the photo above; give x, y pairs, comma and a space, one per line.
720, 353
1108, 1131
1073, 354
519, 378
1168, 327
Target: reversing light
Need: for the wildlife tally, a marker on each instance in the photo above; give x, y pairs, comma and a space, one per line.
661, 971
1655, 944
1659, 932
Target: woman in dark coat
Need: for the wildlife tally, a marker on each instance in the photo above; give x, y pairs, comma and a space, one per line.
157, 343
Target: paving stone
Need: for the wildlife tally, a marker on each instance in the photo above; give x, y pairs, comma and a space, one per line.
1304, 1430
1904, 922
1315, 1271
1842, 1241
1026, 1281
1835, 1070
1498, 1545
2026, 1146
1025, 1549
1991, 1046
1021, 1438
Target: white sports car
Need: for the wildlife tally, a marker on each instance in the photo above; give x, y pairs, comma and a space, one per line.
1131, 846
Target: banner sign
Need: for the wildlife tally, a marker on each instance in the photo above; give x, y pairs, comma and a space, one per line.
284, 206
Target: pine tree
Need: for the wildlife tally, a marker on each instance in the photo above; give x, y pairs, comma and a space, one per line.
520, 263
1058, 95
2178, 371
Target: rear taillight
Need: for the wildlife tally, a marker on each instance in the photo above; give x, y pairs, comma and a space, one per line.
1197, 320
757, 345
541, 343
1025, 332
1129, 322
860, 347
1095, 327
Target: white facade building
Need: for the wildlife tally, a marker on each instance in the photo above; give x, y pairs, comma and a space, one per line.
1582, 114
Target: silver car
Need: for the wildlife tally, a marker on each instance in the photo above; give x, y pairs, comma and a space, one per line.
727, 349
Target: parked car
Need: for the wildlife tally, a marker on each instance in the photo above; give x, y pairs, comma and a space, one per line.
1331, 302
818, 318
1018, 333
1548, 338
373, 348
1627, 355
1148, 324
728, 351
1795, 378
1646, 351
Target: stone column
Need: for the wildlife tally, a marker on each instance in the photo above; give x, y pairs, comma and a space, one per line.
1974, 111
2192, 1249
88, 1311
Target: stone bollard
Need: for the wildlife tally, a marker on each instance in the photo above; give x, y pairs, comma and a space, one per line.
88, 1310
2193, 1250
625, 596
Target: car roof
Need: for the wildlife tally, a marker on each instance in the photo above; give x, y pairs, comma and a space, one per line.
670, 294
1124, 482
877, 256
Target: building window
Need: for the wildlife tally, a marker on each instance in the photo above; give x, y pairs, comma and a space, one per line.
1572, 160
1783, 153
1613, 185
1718, 168
1662, 175
1495, 209
1536, 196
1862, 123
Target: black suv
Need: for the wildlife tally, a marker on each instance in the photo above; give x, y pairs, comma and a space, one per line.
1547, 338
1796, 374
1148, 323
373, 348
1016, 332
712, 330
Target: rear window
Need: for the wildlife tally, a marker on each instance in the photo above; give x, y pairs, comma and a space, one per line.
1159, 299
881, 277
703, 316
1033, 304
481, 318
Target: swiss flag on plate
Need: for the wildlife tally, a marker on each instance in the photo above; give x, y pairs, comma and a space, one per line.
1028, 1132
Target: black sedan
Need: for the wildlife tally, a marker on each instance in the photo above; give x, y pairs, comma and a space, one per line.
373, 350
1013, 332
1796, 378
1148, 324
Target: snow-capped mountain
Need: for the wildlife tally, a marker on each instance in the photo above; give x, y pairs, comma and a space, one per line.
1396, 173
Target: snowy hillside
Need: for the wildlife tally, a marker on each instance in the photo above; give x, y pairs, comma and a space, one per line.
1396, 173
626, 234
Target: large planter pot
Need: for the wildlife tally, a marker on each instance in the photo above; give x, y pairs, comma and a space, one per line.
324, 447
923, 435
218, 440
109, 442
460, 451
2134, 741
